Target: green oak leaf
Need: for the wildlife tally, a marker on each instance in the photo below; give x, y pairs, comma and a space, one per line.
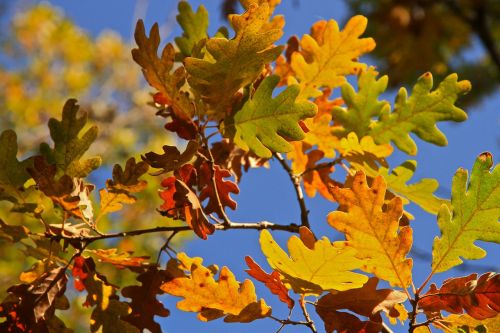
193, 24
265, 124
13, 173
420, 112
363, 105
69, 145
237, 62
474, 216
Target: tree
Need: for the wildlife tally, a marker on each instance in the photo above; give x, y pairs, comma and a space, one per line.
237, 102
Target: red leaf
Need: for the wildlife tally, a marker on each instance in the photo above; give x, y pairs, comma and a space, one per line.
272, 281
79, 273
224, 188
480, 298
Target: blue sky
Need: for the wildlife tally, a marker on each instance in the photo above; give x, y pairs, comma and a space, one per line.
258, 199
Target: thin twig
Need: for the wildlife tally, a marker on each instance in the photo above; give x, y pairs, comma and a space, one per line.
296, 179
322, 166
166, 246
310, 323
385, 328
289, 322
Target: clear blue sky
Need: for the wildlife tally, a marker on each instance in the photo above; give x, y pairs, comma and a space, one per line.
267, 194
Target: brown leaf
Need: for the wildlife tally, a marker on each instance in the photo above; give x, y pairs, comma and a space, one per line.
13, 233
172, 159
344, 322
224, 188
480, 298
272, 281
366, 301
144, 303
119, 259
156, 70
128, 179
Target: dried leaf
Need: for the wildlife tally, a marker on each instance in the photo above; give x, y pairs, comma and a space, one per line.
479, 298
119, 259
172, 159
224, 188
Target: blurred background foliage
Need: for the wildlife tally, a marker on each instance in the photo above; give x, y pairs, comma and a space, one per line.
38, 73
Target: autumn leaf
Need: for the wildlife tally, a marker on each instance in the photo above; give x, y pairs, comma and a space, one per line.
13, 233
420, 113
271, 281
194, 26
478, 297
363, 151
465, 324
157, 70
210, 298
13, 173
366, 301
476, 209
171, 159
373, 230
344, 322
327, 266
119, 259
145, 306
329, 55
238, 61
266, 124
69, 144
224, 188
420, 192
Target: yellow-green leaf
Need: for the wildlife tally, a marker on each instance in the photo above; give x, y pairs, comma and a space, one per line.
238, 61
265, 124
474, 216
374, 230
195, 27
327, 266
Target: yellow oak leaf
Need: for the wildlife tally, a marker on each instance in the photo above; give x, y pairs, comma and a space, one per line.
326, 266
320, 134
210, 298
329, 55
465, 323
373, 230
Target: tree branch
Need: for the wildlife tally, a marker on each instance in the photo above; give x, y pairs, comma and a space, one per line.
310, 323
304, 212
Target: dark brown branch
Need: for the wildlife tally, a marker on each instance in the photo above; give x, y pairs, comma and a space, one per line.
322, 166
296, 179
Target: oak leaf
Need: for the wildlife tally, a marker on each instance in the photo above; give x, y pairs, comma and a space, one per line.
194, 26
224, 188
329, 55
327, 266
210, 298
373, 230
119, 259
366, 301
478, 297
465, 324
157, 70
420, 113
476, 209
13, 233
145, 306
171, 159
265, 124
69, 144
236, 62
344, 322
271, 281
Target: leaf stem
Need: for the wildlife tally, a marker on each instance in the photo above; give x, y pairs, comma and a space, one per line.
310, 323
296, 179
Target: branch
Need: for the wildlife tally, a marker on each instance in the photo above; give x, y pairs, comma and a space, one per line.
294, 228
304, 212
322, 166
310, 323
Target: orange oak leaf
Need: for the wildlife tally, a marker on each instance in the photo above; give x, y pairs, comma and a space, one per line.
272, 281
212, 299
373, 229
366, 301
145, 306
224, 188
480, 298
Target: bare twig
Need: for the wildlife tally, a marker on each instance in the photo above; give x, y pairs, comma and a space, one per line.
322, 166
166, 246
310, 323
296, 179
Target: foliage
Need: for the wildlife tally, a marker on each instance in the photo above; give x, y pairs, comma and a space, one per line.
223, 97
